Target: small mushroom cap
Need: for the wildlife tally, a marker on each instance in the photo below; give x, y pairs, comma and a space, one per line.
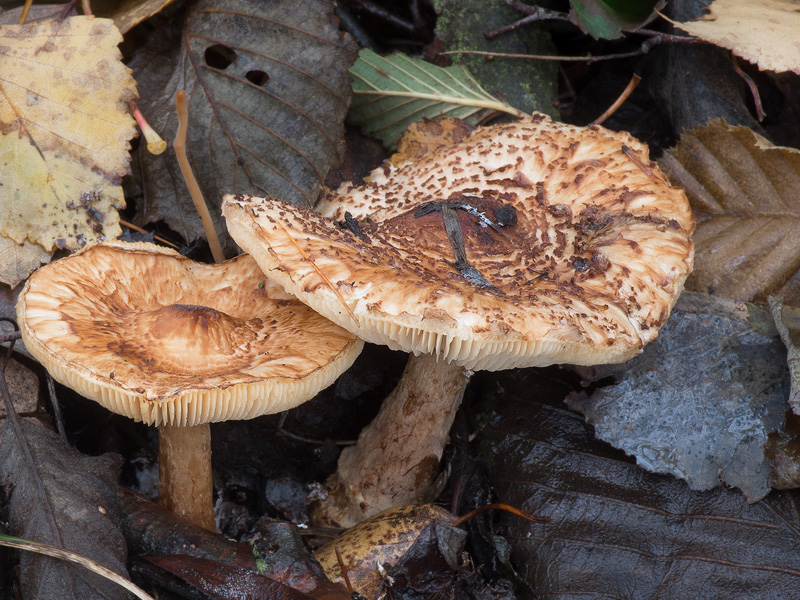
586, 275
154, 336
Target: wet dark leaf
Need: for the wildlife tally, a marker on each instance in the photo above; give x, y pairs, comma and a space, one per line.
80, 502
620, 532
700, 402
224, 582
278, 555
696, 82
268, 88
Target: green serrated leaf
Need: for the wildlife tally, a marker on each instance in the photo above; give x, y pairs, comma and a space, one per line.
393, 92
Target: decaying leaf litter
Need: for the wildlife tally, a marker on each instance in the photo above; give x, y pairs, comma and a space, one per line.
729, 208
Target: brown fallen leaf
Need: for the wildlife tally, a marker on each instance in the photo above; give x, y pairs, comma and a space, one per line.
386, 539
745, 193
65, 130
765, 32
17, 261
619, 532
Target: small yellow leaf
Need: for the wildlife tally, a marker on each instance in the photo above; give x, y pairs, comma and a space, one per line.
64, 131
764, 32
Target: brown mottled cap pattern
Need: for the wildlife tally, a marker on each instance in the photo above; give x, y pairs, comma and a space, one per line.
159, 338
587, 275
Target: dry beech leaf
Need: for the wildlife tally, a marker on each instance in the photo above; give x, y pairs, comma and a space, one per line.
17, 261
65, 131
618, 531
745, 193
268, 89
764, 32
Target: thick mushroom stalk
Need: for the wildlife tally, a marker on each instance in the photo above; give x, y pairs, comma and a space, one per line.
397, 455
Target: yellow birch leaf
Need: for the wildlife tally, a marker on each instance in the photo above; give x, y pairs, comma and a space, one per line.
764, 32
64, 131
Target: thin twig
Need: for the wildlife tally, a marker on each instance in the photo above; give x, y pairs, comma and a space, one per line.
194, 189
760, 114
307, 440
458, 521
87, 9
51, 391
10, 337
618, 102
140, 230
534, 13
378, 11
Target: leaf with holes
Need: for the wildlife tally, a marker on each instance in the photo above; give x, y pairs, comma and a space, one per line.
392, 93
268, 90
745, 193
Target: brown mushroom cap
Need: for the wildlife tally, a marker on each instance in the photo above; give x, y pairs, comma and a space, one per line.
154, 336
587, 275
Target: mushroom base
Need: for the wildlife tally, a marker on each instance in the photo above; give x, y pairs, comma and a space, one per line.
184, 473
397, 456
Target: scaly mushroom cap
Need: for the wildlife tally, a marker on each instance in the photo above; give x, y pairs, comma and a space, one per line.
154, 336
587, 275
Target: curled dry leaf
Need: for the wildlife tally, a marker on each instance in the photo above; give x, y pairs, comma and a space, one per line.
745, 193
268, 89
386, 539
761, 31
65, 131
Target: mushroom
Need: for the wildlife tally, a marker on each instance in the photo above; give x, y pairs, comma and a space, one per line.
151, 335
524, 244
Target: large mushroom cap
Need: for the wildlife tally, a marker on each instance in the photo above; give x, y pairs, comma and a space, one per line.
154, 336
587, 274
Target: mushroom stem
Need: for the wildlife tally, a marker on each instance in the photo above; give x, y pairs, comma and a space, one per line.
184, 473
397, 456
